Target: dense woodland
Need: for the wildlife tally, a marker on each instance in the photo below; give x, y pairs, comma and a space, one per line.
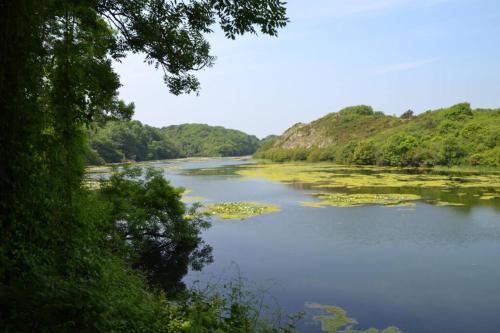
120, 141
74, 259
457, 135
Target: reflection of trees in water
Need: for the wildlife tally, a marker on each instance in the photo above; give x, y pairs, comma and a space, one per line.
153, 230
166, 263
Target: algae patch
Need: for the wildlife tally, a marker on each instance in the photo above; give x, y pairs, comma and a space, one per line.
240, 210
98, 169
91, 184
489, 196
335, 320
361, 199
351, 186
446, 203
187, 198
338, 176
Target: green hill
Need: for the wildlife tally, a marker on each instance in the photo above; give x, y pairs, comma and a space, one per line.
205, 140
130, 140
457, 135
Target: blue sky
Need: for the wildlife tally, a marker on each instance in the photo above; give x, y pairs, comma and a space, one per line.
391, 54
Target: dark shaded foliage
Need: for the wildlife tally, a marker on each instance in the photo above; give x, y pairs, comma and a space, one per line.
57, 272
151, 229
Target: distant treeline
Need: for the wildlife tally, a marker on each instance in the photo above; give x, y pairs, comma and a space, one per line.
456, 135
130, 140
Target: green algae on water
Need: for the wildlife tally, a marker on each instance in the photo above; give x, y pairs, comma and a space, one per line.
335, 320
240, 210
91, 184
446, 203
98, 169
187, 198
339, 176
361, 199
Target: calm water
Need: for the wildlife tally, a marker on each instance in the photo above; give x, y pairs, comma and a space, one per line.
426, 269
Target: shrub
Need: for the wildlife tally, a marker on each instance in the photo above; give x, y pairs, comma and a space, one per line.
364, 153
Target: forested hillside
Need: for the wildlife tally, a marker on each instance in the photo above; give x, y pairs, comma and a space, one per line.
131, 140
457, 135
205, 140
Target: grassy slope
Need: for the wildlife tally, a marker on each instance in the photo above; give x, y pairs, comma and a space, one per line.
450, 136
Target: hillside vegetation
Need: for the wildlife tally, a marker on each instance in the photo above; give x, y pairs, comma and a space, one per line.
457, 135
131, 140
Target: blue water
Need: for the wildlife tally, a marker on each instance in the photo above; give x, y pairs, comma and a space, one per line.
426, 269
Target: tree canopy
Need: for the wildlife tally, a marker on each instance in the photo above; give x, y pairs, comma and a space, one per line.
130, 140
58, 271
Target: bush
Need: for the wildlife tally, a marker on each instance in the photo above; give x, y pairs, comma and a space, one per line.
360, 110
450, 152
364, 153
400, 150
407, 115
347, 153
299, 154
328, 154
458, 112
314, 154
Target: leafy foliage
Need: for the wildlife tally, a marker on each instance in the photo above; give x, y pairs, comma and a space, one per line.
204, 140
453, 136
59, 270
171, 34
151, 229
130, 140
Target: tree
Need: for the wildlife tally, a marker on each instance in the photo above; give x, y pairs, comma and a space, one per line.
400, 149
407, 114
149, 229
56, 80
171, 33
364, 153
361, 110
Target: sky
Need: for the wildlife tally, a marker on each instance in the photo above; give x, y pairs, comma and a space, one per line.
394, 55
